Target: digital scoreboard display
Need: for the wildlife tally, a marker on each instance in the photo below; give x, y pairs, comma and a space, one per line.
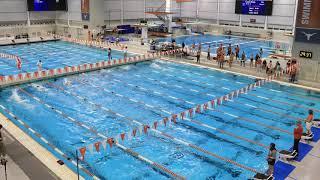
254, 7
47, 5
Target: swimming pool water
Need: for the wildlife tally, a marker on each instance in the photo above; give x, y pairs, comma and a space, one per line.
54, 54
153, 90
248, 45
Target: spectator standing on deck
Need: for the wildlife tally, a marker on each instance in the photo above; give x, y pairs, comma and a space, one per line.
269, 68
309, 122
271, 159
237, 50
259, 64
297, 132
251, 60
222, 55
278, 67
261, 52
293, 71
39, 64
231, 58
209, 50
193, 47
125, 54
219, 50
198, 56
243, 59
256, 60
264, 64
229, 50
109, 54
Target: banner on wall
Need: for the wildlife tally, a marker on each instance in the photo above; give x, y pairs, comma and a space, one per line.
85, 7
308, 21
308, 14
308, 35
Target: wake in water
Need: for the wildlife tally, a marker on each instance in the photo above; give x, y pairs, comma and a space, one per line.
125, 67
39, 87
66, 82
17, 98
156, 66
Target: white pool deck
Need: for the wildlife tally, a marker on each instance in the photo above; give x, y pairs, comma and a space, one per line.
307, 169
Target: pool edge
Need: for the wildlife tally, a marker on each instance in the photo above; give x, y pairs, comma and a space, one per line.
238, 73
40, 152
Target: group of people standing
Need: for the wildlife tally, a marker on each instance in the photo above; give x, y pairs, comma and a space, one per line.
230, 55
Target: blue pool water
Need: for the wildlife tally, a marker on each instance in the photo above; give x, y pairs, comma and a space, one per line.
158, 89
52, 54
248, 45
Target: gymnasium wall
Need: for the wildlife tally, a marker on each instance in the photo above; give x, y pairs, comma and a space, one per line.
283, 11
16, 11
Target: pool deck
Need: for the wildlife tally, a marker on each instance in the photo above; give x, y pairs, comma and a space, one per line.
19, 160
24, 41
44, 160
34, 148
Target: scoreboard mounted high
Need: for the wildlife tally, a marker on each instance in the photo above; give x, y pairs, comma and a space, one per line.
47, 5
254, 7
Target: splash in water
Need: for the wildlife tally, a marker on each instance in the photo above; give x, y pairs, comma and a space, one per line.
17, 98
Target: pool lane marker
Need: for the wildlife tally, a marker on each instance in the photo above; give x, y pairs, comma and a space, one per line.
286, 103
45, 141
190, 120
237, 117
183, 142
129, 151
169, 85
192, 90
253, 121
272, 112
269, 111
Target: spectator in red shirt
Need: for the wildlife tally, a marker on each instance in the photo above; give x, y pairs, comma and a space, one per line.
297, 136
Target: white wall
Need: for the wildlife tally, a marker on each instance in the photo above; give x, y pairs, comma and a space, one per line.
16, 11
74, 10
13, 10
133, 9
283, 11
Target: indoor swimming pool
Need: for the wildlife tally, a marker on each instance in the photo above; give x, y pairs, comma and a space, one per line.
54, 54
76, 111
248, 45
